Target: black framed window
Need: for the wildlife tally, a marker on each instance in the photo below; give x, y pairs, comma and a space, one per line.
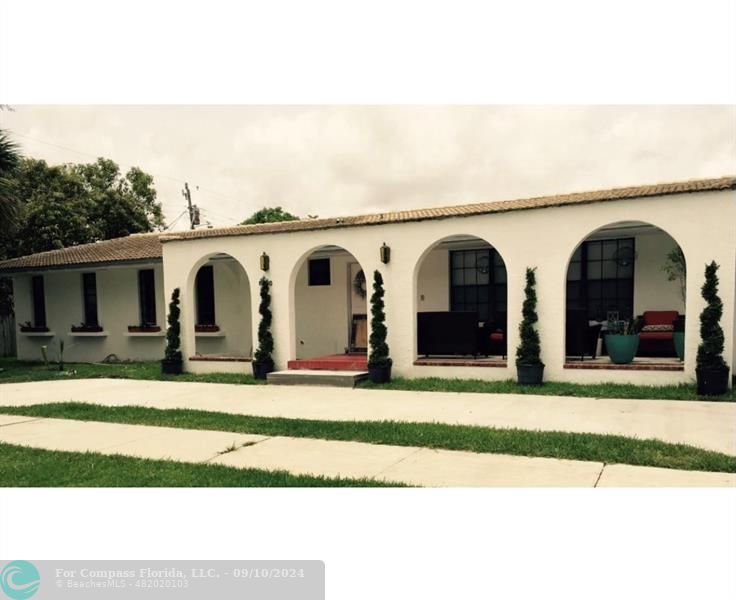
205, 286
478, 283
147, 296
39, 301
600, 278
89, 298
319, 271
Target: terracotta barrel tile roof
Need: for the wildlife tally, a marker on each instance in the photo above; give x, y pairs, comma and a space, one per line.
137, 247
148, 246
695, 185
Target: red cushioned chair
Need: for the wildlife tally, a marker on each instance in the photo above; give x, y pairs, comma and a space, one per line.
658, 340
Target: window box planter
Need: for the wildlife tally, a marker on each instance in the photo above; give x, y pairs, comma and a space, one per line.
144, 329
206, 328
87, 329
33, 329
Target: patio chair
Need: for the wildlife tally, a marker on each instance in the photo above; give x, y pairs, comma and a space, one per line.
656, 337
581, 338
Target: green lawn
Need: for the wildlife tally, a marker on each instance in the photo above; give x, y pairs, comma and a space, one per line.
14, 371
603, 390
31, 467
577, 446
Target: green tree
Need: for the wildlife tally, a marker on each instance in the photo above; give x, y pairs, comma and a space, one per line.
710, 350
10, 158
269, 215
528, 351
71, 204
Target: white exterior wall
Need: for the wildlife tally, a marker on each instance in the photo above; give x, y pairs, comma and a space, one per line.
433, 280
702, 223
323, 313
652, 291
117, 307
232, 313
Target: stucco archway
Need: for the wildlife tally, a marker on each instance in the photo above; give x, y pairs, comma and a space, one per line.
460, 301
219, 318
328, 291
618, 272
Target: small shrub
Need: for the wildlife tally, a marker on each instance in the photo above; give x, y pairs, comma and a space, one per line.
710, 351
173, 332
379, 356
528, 351
264, 353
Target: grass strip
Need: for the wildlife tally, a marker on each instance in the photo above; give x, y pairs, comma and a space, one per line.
32, 467
15, 371
551, 388
612, 449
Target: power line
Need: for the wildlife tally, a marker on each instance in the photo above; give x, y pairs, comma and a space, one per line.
162, 176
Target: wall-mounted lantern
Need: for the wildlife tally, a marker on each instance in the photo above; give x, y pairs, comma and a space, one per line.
265, 262
385, 253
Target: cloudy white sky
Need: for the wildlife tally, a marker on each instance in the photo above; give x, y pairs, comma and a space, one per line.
339, 160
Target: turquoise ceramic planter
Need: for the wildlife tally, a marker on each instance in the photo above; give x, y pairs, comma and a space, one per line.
622, 348
678, 337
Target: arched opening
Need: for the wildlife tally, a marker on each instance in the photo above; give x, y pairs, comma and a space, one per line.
330, 291
461, 303
624, 273
221, 309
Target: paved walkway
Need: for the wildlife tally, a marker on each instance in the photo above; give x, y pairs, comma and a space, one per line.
710, 425
416, 466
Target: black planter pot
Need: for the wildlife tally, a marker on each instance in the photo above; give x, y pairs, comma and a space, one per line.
261, 369
379, 374
529, 374
171, 367
712, 382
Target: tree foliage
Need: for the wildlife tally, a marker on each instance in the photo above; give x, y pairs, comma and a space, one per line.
270, 215
676, 268
173, 332
70, 204
528, 351
265, 339
10, 158
710, 350
379, 356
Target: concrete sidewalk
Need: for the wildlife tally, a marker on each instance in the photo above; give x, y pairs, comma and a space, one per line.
710, 425
416, 466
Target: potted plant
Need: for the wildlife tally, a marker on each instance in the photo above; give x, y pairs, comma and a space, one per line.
172, 362
711, 370
622, 340
211, 328
676, 270
263, 363
678, 336
379, 362
529, 366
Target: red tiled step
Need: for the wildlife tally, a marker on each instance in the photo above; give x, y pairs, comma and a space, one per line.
334, 362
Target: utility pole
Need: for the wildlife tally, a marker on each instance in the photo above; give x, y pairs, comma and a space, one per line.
192, 208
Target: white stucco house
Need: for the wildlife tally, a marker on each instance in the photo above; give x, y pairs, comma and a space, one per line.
454, 280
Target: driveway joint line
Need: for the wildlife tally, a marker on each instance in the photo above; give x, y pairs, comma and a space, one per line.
603, 468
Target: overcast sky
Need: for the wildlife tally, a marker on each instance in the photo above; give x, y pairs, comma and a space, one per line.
339, 160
